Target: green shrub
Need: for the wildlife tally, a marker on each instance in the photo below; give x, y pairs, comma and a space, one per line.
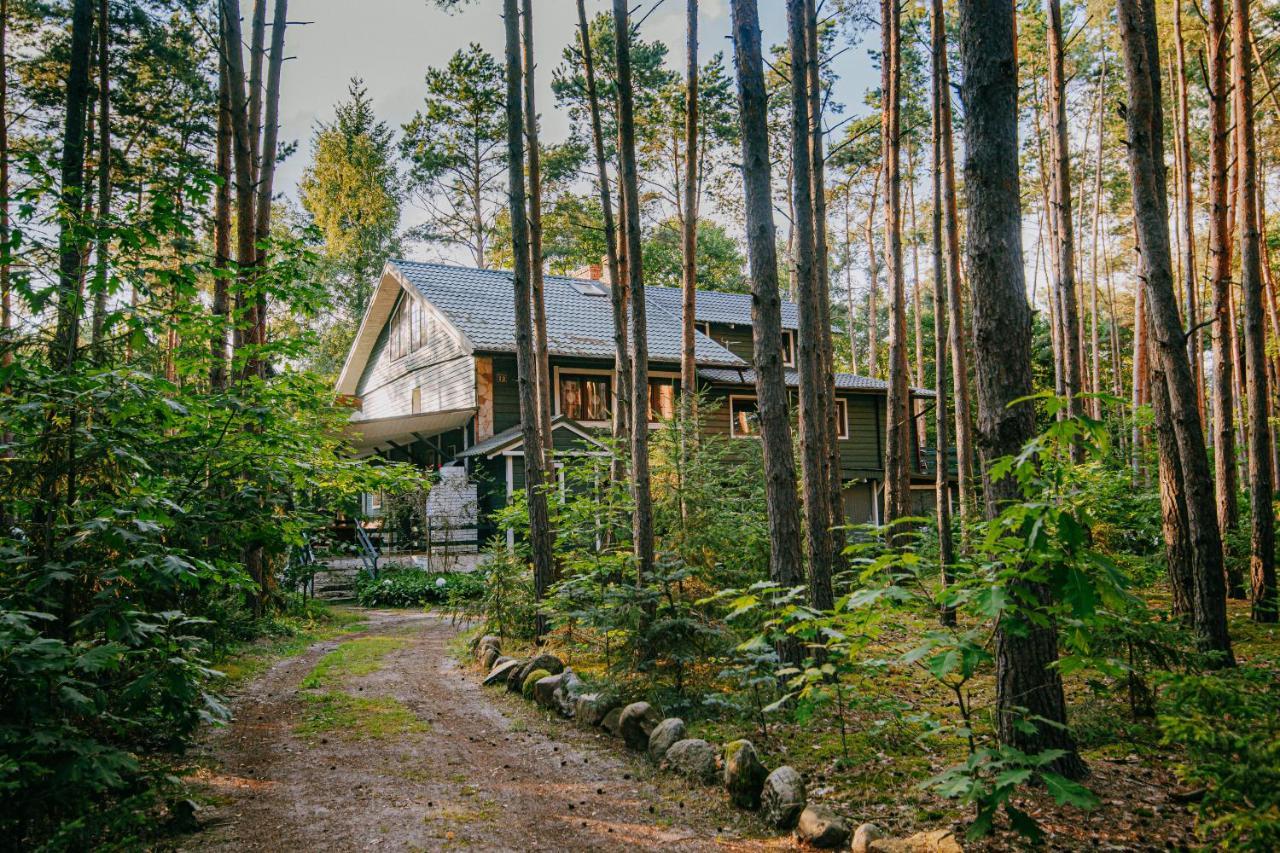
1228, 724
409, 587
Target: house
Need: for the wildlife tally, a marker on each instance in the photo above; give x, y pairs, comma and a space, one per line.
432, 377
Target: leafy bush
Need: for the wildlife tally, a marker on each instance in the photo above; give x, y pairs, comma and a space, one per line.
1228, 724
411, 587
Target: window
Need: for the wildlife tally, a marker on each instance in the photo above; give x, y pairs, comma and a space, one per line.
842, 419
662, 399
585, 396
743, 417
788, 348
408, 327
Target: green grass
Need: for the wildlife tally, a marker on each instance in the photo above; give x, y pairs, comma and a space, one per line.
357, 717
360, 656
294, 635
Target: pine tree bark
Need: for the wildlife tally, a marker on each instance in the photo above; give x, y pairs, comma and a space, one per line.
1222, 395
689, 224
955, 299
621, 359
813, 431
822, 269
642, 512
221, 226
267, 164
1026, 677
6, 295
1067, 302
1145, 131
1173, 501
897, 481
542, 381
773, 408
1095, 382
246, 306
873, 282
942, 480
1187, 213
540, 540
99, 316
257, 52
64, 348
1262, 566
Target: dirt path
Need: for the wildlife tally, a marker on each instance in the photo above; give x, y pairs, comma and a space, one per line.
414, 755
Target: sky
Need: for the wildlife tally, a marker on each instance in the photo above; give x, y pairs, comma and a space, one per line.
391, 44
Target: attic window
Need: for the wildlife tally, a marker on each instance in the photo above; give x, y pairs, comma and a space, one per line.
588, 288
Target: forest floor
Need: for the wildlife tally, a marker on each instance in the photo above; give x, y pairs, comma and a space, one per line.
378, 739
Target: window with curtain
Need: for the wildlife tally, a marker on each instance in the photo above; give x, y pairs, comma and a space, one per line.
585, 396
743, 417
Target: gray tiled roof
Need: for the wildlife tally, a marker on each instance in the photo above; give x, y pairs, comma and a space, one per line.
844, 381
717, 307
480, 303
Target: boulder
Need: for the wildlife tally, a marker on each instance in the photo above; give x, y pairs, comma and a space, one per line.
543, 660
565, 697
743, 774
692, 758
488, 641
589, 708
637, 722
864, 836
821, 827
937, 841
489, 654
501, 669
664, 735
526, 689
782, 799
544, 689
514, 680
611, 722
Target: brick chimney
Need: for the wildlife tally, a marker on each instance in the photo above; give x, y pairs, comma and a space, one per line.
590, 272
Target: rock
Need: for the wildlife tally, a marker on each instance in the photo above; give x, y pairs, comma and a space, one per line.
514, 681
743, 774
611, 722
526, 688
937, 841
565, 697
488, 641
782, 799
864, 836
543, 660
822, 828
489, 654
664, 735
544, 689
589, 708
692, 758
501, 669
637, 722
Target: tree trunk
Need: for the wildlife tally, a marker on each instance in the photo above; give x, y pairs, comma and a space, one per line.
542, 369
221, 226
822, 271
1187, 212
1224, 452
873, 281
689, 223
540, 540
1145, 125
1095, 382
942, 487
104, 181
1026, 677
6, 296
1173, 498
257, 51
63, 350
246, 307
773, 407
813, 428
267, 164
955, 300
642, 512
621, 367
897, 481
1262, 566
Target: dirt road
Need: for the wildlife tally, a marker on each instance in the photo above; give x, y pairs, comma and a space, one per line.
380, 740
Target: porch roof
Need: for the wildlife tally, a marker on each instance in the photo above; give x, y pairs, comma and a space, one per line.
369, 435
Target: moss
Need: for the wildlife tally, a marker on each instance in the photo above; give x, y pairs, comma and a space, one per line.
253, 659
360, 656
531, 679
357, 717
